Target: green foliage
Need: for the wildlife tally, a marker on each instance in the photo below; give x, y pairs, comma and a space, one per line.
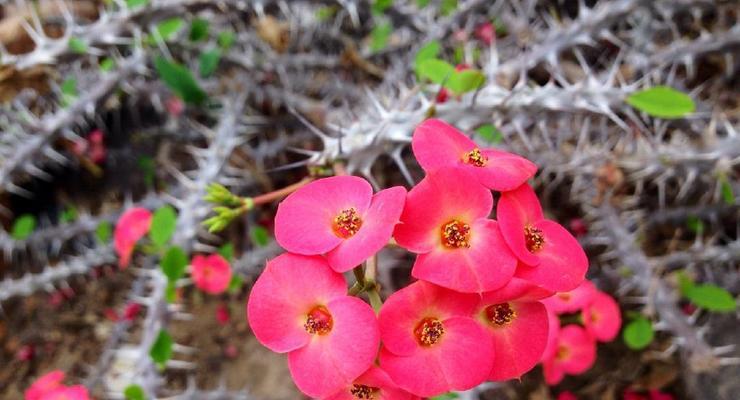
208, 62
422, 3
695, 224
638, 333
69, 91
136, 3
77, 45
447, 7
490, 134
146, 164
198, 30
662, 101
179, 80
726, 189
260, 236
168, 28
235, 284
436, 70
134, 392
23, 227
69, 214
379, 6
465, 81
380, 35
104, 231
427, 52
217, 193
707, 296
174, 263
326, 13
161, 350
226, 39
445, 396
227, 251
163, 225
107, 64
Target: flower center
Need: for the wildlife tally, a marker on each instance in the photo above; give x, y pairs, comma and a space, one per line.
429, 331
565, 296
563, 353
318, 321
363, 391
534, 238
474, 157
456, 234
500, 314
347, 223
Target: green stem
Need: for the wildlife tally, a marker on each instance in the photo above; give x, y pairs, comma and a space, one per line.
375, 300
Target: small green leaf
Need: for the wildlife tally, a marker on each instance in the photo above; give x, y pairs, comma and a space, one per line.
208, 62
77, 45
445, 396
435, 70
146, 164
422, 3
69, 214
180, 80
726, 189
459, 55
163, 225
174, 263
107, 64
104, 231
169, 27
490, 134
379, 6
260, 236
447, 7
136, 3
662, 101
427, 52
134, 392
695, 224
170, 292
235, 284
69, 91
226, 39
198, 30
227, 251
325, 13
465, 81
712, 298
23, 226
685, 284
380, 35
161, 350
638, 334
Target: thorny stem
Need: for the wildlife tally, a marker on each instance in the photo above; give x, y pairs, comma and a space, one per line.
366, 283
274, 195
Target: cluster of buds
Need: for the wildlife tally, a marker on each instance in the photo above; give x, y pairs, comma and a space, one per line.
476, 311
50, 387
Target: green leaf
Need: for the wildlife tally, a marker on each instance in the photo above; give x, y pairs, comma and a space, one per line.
208, 62
685, 284
180, 80
163, 225
490, 134
695, 224
198, 30
447, 7
379, 6
235, 284
69, 91
422, 3
260, 236
726, 189
174, 263
104, 231
134, 392
146, 164
712, 298
445, 396
77, 45
380, 35
227, 251
69, 214
136, 3
161, 350
23, 226
325, 13
169, 27
662, 101
107, 64
435, 70
427, 52
170, 292
226, 39
465, 81
500, 26
638, 334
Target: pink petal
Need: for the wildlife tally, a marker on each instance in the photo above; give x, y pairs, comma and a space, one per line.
602, 318
517, 209
211, 274
45, 384
460, 361
519, 290
552, 371
563, 263
289, 287
77, 392
437, 144
553, 330
486, 265
441, 197
572, 301
330, 362
304, 220
374, 378
503, 171
404, 309
377, 227
581, 349
131, 227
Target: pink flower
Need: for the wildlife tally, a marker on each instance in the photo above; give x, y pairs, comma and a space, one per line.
131, 227
486, 33
97, 149
553, 330
211, 274
602, 317
131, 311
517, 323
439, 145
549, 255
575, 353
445, 222
338, 216
300, 306
431, 344
572, 301
656, 394
45, 384
77, 392
373, 384
222, 314
566, 395
630, 394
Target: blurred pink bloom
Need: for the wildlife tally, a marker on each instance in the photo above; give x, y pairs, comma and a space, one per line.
548, 254
572, 301
131, 311
131, 227
630, 394
299, 306
373, 384
77, 392
223, 316
445, 221
338, 216
437, 144
211, 274
655, 394
175, 106
25, 353
578, 227
575, 354
45, 384
602, 317
486, 33
566, 395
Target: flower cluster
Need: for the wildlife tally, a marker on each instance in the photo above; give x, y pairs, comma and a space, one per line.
571, 349
50, 387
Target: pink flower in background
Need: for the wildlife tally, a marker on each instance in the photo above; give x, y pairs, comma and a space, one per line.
656, 394
50, 387
299, 306
602, 317
431, 345
445, 221
575, 353
486, 33
373, 384
77, 392
131, 227
437, 144
549, 255
338, 216
553, 329
223, 316
211, 274
97, 151
518, 325
572, 301
566, 395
